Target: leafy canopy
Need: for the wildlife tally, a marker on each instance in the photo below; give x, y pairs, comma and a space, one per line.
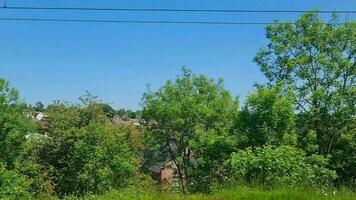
184, 111
267, 117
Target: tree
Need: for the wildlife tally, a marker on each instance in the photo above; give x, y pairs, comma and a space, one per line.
14, 125
83, 152
316, 61
39, 106
15, 128
13, 185
184, 111
107, 110
267, 118
90, 100
121, 112
285, 165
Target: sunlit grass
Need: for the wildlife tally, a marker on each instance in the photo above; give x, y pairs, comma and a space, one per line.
242, 193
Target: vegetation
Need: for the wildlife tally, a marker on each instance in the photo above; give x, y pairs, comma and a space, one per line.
190, 118
293, 138
316, 62
281, 165
238, 193
83, 152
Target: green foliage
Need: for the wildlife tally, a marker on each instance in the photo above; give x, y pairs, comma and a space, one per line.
14, 125
280, 165
207, 171
128, 114
236, 193
267, 118
107, 110
83, 152
134, 138
184, 111
39, 106
13, 185
345, 158
316, 61
8, 95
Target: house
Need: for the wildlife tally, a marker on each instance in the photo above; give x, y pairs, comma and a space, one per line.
161, 165
35, 115
167, 172
39, 116
119, 121
164, 172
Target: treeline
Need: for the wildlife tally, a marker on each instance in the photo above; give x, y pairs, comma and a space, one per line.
298, 130
124, 114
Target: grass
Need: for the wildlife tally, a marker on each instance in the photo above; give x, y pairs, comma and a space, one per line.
242, 193
236, 193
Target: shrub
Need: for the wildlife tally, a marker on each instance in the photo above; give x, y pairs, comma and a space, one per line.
280, 165
13, 185
83, 152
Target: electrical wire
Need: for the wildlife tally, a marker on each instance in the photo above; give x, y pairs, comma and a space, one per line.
142, 21
176, 10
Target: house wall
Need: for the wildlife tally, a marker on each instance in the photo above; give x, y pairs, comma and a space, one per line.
166, 175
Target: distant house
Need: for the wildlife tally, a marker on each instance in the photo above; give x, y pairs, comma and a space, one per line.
161, 165
135, 122
164, 171
35, 115
119, 121
39, 116
168, 172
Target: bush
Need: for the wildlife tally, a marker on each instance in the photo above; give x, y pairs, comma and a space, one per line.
207, 169
83, 152
13, 185
281, 165
267, 118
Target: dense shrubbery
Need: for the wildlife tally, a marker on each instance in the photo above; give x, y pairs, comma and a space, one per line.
13, 185
192, 117
267, 118
14, 125
83, 152
283, 165
76, 150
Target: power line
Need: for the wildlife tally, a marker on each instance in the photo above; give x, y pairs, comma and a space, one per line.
175, 10
143, 21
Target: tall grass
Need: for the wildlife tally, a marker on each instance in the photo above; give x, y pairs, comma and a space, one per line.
241, 193
231, 193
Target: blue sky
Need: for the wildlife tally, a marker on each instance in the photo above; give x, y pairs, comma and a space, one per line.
59, 61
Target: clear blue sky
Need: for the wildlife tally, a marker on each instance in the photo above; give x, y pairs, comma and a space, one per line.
58, 61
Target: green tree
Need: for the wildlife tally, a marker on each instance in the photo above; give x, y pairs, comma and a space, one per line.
39, 106
316, 61
83, 152
266, 118
89, 99
183, 112
121, 112
13, 185
16, 175
283, 165
14, 125
107, 110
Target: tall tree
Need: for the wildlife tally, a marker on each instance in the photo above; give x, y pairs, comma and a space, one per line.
82, 151
14, 125
184, 111
39, 106
267, 118
316, 60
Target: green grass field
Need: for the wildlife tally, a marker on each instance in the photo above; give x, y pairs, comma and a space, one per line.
242, 193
